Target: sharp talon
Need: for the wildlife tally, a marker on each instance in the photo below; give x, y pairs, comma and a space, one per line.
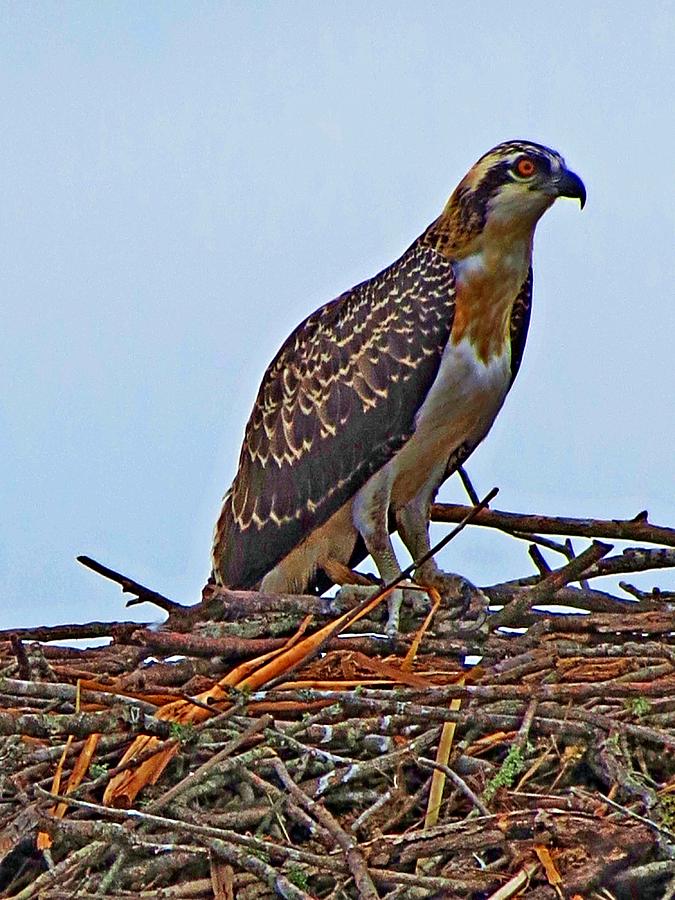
351, 595
394, 602
458, 592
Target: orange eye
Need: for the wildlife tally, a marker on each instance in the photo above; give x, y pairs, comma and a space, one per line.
525, 167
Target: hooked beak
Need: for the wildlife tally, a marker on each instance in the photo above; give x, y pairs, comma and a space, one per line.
570, 185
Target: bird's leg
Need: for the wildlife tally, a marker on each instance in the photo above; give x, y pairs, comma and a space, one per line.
389, 569
413, 527
370, 513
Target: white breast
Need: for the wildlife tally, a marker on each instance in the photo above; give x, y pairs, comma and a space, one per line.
460, 408
467, 394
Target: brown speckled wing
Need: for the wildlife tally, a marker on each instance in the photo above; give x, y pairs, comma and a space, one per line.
335, 404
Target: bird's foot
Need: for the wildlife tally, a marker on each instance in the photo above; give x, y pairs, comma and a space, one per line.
457, 591
351, 595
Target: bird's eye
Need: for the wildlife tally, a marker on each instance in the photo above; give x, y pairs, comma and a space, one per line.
525, 167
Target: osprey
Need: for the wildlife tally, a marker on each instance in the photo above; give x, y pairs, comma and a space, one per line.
378, 396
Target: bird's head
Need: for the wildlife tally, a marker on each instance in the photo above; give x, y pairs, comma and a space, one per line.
505, 193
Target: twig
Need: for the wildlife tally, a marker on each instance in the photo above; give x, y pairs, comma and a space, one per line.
129, 586
668, 832
194, 777
516, 884
458, 781
130, 817
68, 693
171, 643
262, 870
547, 587
636, 529
633, 560
85, 856
468, 486
21, 657
355, 860
121, 631
655, 595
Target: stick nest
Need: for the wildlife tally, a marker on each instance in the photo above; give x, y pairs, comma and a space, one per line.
258, 746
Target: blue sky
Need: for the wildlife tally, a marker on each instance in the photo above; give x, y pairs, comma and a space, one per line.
183, 182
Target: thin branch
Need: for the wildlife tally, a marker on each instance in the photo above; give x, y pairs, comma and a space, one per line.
129, 586
458, 781
636, 529
547, 587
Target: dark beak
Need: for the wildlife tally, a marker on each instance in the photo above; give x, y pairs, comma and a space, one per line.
570, 185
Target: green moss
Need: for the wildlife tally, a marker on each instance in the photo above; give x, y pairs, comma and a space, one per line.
297, 877
513, 765
666, 807
184, 734
638, 706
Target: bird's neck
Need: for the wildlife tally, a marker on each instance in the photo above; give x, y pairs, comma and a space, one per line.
490, 268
